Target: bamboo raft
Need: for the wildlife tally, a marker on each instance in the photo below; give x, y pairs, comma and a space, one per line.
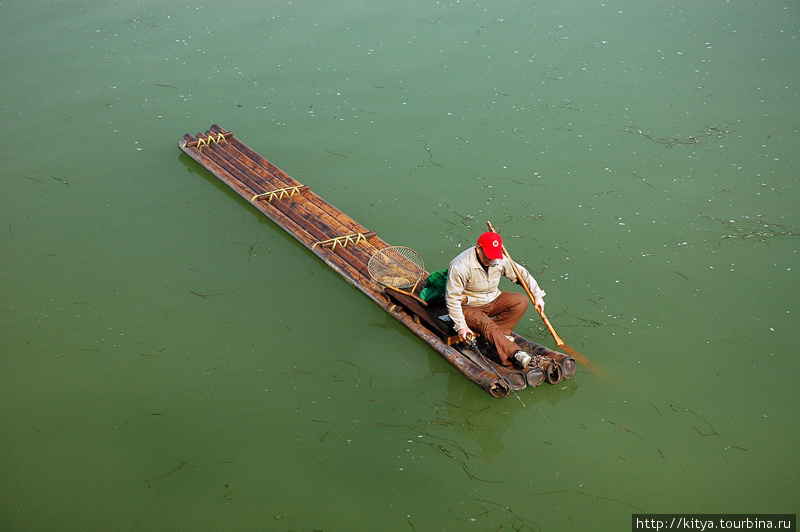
347, 247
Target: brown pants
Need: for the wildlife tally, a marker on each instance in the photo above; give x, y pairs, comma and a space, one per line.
506, 310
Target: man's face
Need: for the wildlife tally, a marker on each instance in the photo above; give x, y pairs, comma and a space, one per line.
482, 256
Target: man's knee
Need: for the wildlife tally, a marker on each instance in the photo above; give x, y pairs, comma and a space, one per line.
519, 301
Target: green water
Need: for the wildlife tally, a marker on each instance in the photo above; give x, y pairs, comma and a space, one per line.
173, 361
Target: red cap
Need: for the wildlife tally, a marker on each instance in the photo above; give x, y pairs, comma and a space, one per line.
492, 245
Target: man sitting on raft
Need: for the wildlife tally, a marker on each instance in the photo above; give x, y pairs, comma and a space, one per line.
475, 303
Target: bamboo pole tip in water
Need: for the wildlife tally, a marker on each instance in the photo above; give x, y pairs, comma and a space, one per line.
497, 388
534, 377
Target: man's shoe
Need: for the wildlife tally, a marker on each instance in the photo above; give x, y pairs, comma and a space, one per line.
522, 358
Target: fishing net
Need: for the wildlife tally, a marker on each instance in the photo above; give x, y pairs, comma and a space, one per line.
396, 266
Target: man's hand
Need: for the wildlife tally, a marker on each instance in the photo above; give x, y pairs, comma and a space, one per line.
538, 304
465, 333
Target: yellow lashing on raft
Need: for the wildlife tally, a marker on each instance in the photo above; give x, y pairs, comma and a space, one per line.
208, 140
342, 240
279, 193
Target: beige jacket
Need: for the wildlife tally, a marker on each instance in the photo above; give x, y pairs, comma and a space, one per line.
466, 278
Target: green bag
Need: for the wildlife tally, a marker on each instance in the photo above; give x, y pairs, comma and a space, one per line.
436, 286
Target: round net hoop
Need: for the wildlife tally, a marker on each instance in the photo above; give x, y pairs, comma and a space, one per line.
396, 266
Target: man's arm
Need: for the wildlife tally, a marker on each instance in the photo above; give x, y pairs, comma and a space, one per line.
454, 294
527, 278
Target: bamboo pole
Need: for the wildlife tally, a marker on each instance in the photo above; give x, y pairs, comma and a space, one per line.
311, 214
283, 177
325, 221
304, 220
559, 342
311, 201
